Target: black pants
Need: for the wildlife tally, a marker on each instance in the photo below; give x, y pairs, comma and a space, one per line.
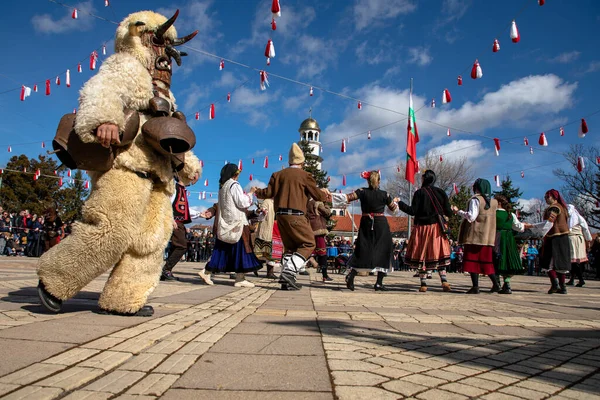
178, 247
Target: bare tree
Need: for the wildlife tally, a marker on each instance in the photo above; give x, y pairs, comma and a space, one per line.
457, 171
582, 189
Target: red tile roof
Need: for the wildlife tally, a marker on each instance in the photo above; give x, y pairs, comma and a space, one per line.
344, 224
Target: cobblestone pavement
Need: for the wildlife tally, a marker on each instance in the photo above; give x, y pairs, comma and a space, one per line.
323, 342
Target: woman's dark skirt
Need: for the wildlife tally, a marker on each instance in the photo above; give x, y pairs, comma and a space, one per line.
227, 257
373, 245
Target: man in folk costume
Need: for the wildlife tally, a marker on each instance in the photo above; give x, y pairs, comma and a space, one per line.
128, 218
179, 242
580, 239
290, 189
317, 213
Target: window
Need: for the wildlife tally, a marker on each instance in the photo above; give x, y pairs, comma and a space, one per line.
333, 213
316, 136
341, 213
310, 135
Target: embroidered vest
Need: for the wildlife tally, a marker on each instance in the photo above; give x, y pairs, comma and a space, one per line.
483, 230
181, 208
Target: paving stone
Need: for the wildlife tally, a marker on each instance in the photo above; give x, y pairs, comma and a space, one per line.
7, 387
437, 394
403, 387
87, 395
500, 378
461, 370
31, 374
488, 385
522, 392
103, 343
361, 393
424, 380
176, 364
441, 374
390, 372
165, 347
354, 378
539, 386
351, 365
500, 396
26, 352
134, 397
196, 348
106, 360
72, 357
463, 389
193, 394
144, 362
34, 392
72, 378
116, 381
153, 385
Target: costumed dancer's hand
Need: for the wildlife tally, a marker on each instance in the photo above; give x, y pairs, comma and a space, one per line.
207, 214
252, 190
108, 134
174, 224
396, 200
527, 226
454, 209
326, 191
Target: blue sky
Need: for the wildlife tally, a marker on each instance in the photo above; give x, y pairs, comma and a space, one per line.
364, 49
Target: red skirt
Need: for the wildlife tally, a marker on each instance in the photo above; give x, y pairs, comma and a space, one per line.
478, 259
277, 251
321, 245
427, 248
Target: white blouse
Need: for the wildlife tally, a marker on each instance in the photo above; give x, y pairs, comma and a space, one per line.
576, 219
517, 225
472, 212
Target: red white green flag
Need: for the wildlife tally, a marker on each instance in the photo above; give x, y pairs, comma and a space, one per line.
411, 144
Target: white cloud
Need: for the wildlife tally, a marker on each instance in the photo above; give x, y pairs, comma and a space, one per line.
313, 55
453, 10
419, 56
368, 13
458, 149
593, 67
374, 53
255, 183
45, 23
565, 58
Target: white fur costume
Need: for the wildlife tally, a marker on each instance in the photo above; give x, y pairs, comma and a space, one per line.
127, 219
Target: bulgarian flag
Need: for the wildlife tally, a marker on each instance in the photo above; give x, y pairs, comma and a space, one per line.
412, 138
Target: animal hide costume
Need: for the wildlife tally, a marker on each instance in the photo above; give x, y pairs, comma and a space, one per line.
127, 219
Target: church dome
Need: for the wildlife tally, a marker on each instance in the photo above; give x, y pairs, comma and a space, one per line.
309, 123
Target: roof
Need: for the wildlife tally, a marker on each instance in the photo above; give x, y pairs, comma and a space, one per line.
309, 123
343, 224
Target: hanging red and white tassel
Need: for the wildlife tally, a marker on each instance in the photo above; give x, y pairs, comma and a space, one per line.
24, 170
57, 81
359, 105
69, 173
221, 65
280, 157
531, 150
35, 89
448, 132
253, 161
343, 180
273, 24
38, 172
229, 97
106, 3
562, 131
580, 164
35, 177
446, 98
211, 113
197, 115
68, 78
202, 163
455, 188
74, 111
9, 149
86, 185
343, 146
514, 33
206, 182
264, 80
226, 162
43, 147
310, 92
583, 128
419, 166
476, 72
60, 181
543, 141
598, 160
269, 51
275, 9
79, 69
541, 2
441, 158
497, 146
459, 80
526, 141
496, 46
47, 87
432, 103
497, 179
266, 162
74, 14
240, 165
25, 92
251, 178
522, 174
369, 135
93, 60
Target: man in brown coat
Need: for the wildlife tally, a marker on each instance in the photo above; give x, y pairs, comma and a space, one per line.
290, 189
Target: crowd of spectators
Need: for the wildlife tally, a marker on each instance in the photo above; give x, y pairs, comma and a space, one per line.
26, 234
200, 245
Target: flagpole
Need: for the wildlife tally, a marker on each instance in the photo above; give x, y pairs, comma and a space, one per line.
409, 183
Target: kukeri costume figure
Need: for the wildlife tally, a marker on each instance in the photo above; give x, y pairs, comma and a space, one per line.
127, 219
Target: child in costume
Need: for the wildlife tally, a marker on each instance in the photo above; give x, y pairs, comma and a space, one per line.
127, 219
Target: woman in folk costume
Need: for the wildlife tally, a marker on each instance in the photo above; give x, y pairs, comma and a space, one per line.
507, 257
556, 251
428, 247
478, 235
263, 243
580, 239
233, 250
374, 243
317, 211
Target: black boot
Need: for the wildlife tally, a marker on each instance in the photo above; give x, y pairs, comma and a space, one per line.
379, 284
145, 311
167, 276
270, 273
554, 288
350, 280
495, 286
49, 302
505, 289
